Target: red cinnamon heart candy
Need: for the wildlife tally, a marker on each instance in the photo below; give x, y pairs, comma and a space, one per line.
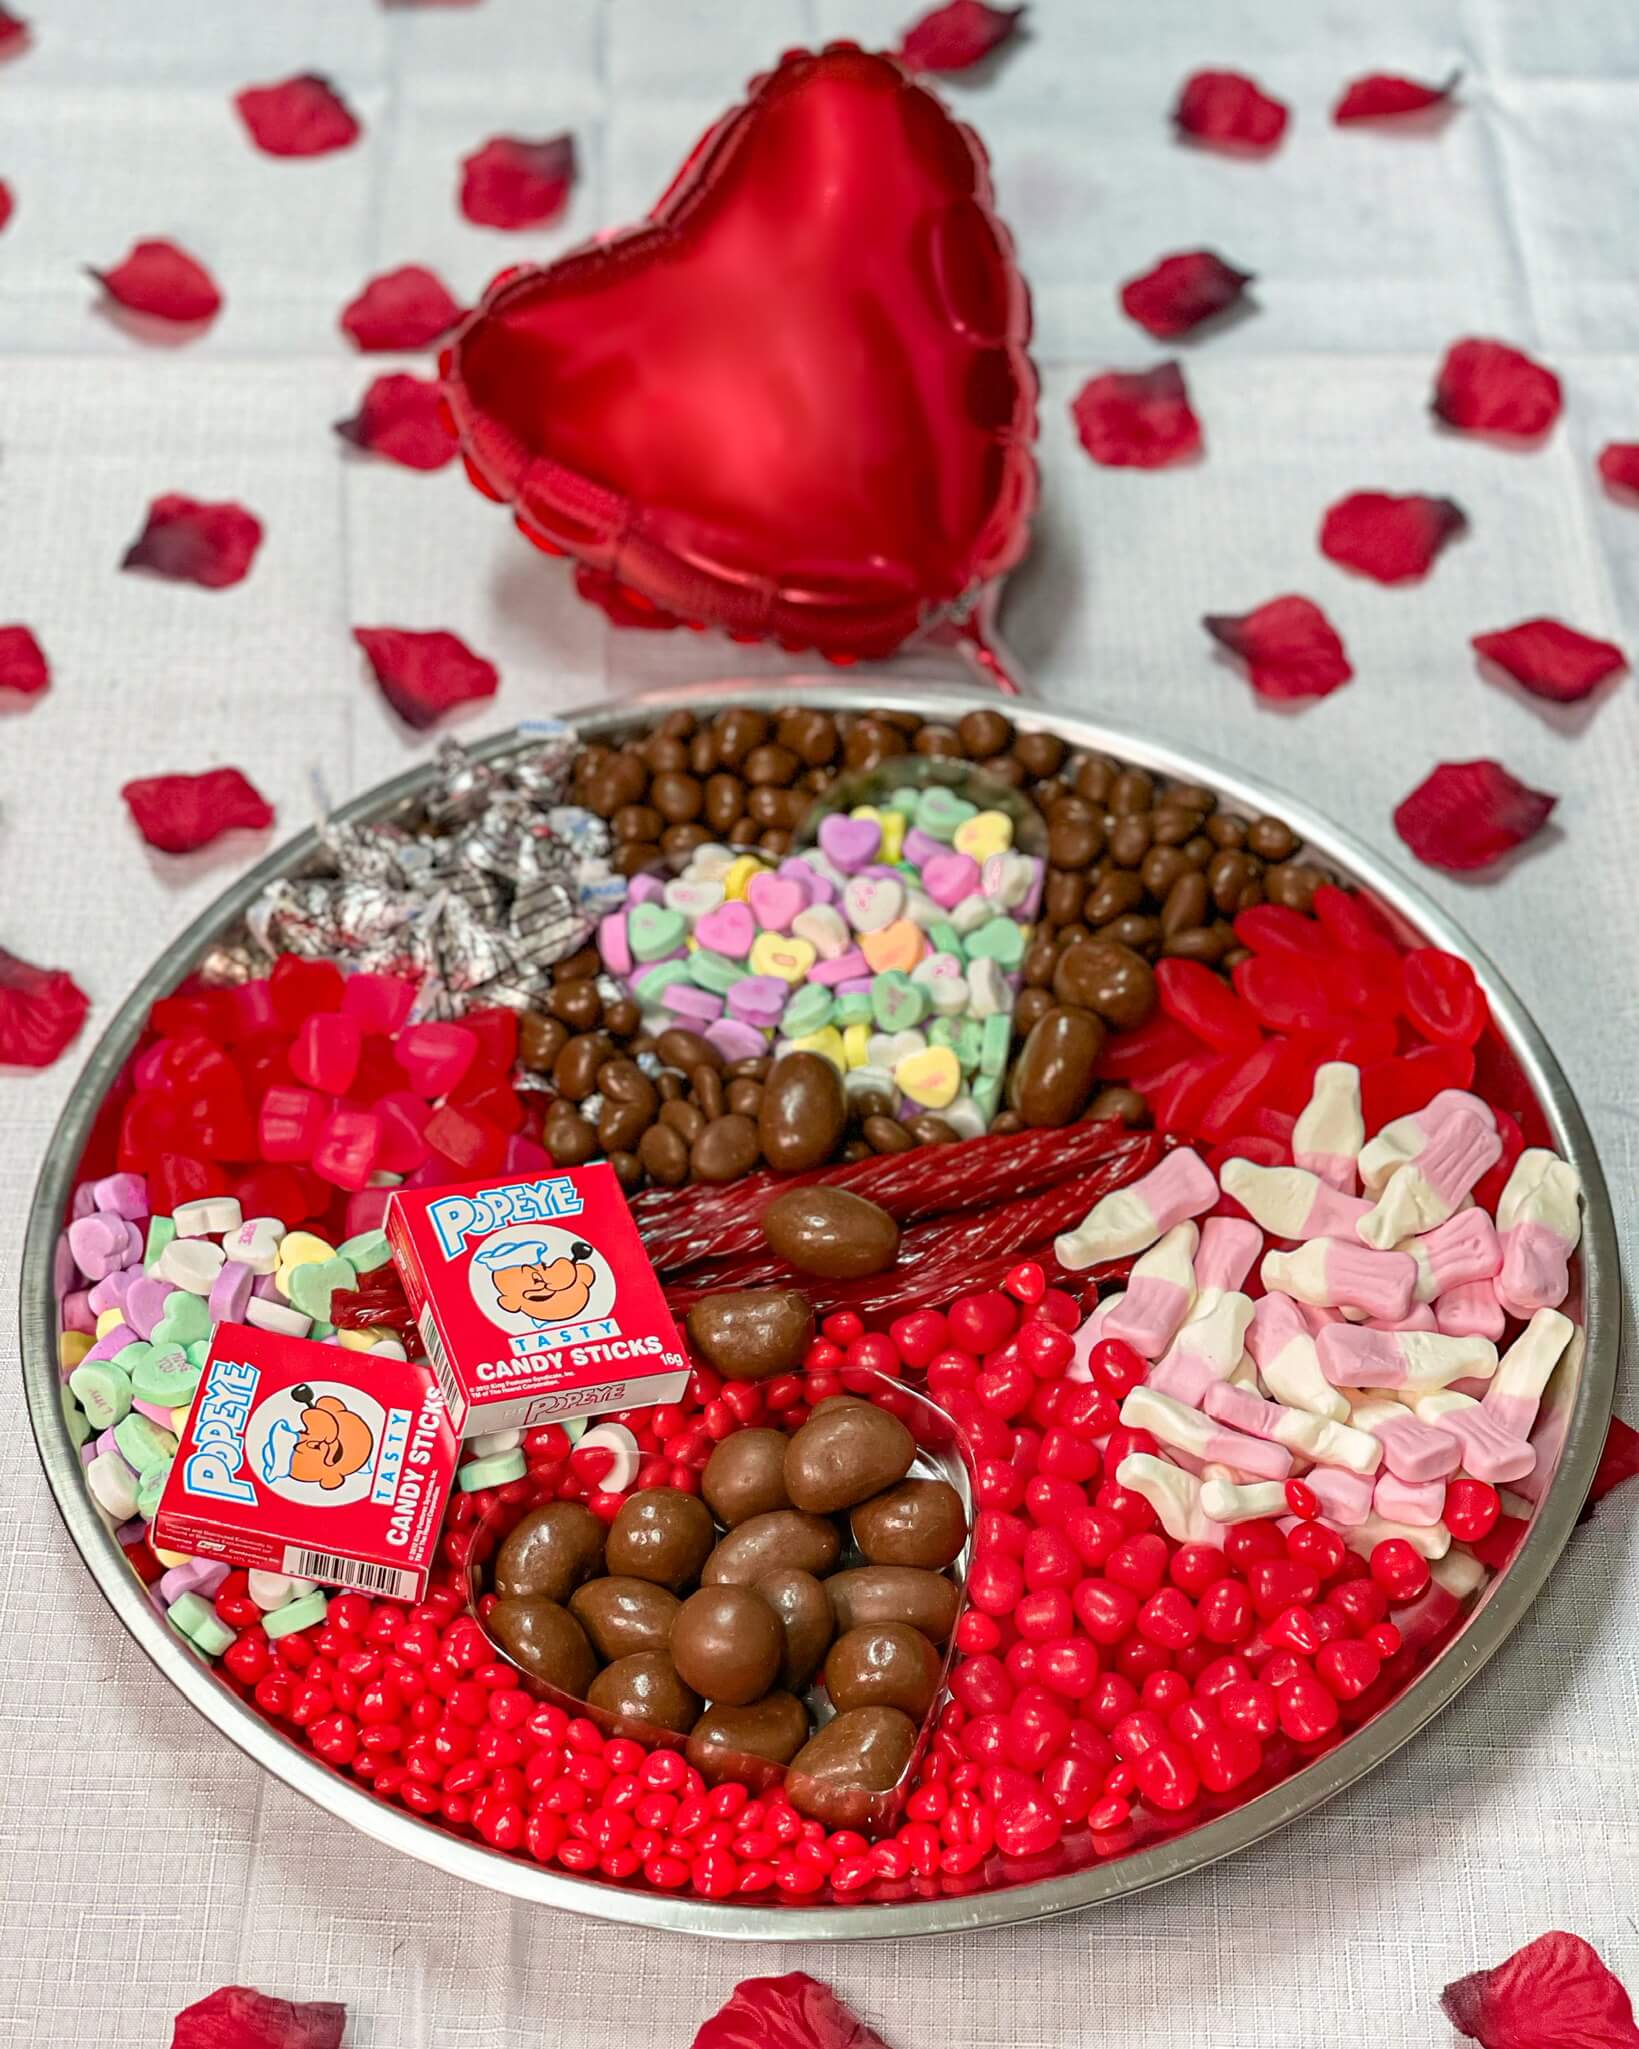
796, 401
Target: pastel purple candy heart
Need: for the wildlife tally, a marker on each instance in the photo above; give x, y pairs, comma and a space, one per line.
683, 999
230, 1292
847, 967
125, 1194
856, 985
77, 1311
111, 1291
134, 1244
645, 889
729, 929
775, 900
849, 842
85, 1200
734, 1040
759, 1000
64, 1273
98, 1244
820, 888
920, 847
268, 1288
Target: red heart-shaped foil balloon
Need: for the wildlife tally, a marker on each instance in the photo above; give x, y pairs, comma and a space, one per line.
796, 402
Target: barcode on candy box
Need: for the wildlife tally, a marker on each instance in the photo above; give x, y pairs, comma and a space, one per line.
328, 1569
439, 1360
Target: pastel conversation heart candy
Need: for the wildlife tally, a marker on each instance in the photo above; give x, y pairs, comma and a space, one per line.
758, 1000
897, 1003
693, 896
653, 931
825, 929
313, 1283
186, 1320
772, 953
948, 878
849, 842
984, 835
145, 1301
941, 811
775, 900
899, 945
816, 887
255, 1244
728, 929
1005, 879
873, 902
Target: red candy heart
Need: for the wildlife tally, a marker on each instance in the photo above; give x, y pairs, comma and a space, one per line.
794, 403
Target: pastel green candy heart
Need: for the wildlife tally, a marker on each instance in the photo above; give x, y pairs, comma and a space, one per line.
943, 937
213, 1636
188, 1612
167, 1378
143, 1444
161, 1230
74, 1416
662, 975
653, 930
853, 1008
199, 1353
941, 811
366, 1251
896, 1001
715, 971
999, 940
103, 1390
809, 1010
969, 1043
320, 1332
132, 1356
315, 1281
294, 1615
497, 1471
907, 802
987, 1093
186, 1321
997, 1038
942, 1032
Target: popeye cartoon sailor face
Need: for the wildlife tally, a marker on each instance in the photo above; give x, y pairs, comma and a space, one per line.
334, 1443
531, 1280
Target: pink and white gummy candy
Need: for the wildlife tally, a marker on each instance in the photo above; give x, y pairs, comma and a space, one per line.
1331, 1273
1428, 1189
1279, 1341
1130, 1219
1462, 1249
1289, 1202
1412, 1451
1186, 1429
1471, 1311
1409, 1501
1406, 1137
1314, 1437
1159, 1296
1523, 1372
1174, 1495
1206, 1350
1329, 1133
1490, 1451
1539, 1221
1418, 1361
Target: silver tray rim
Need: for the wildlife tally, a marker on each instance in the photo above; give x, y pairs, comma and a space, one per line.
1496, 1615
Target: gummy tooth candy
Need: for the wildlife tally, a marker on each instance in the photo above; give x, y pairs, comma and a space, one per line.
1130, 1219
1539, 1222
1419, 1361
1159, 1296
1408, 1501
1291, 1203
1429, 1188
1228, 1501
1329, 1133
1345, 1498
1314, 1437
1554, 1417
1331, 1273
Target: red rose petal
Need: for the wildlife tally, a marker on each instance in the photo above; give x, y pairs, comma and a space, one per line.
1486, 387
1290, 648
300, 117
23, 664
238, 2018
41, 1012
1555, 1993
1393, 540
1619, 1460
1137, 419
513, 183
178, 813
401, 309
402, 418
8, 205
1551, 660
1182, 291
793, 2012
1225, 110
1467, 814
163, 281
1380, 96
194, 542
423, 675
1619, 465
14, 33
955, 37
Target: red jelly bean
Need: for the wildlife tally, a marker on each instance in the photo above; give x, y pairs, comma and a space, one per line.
995, 1583
1116, 1367
1301, 1500
1225, 1612
1168, 1618
1471, 1508
1050, 1560
1140, 1564
1069, 1666
1318, 1546
1307, 1711
1250, 1705
1399, 1570
1195, 1567
1166, 1778
1038, 1727
1346, 1669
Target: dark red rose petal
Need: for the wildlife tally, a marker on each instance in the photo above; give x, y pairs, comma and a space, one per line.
793, 2012
1485, 387
163, 281
625, 606
23, 665
401, 309
1551, 660
955, 37
513, 183
238, 2018
300, 117
1290, 648
1555, 1993
178, 813
1380, 96
1619, 1460
1137, 419
193, 542
1182, 291
14, 33
8, 205
1619, 465
1225, 110
1467, 814
402, 418
423, 675
41, 1012
1393, 540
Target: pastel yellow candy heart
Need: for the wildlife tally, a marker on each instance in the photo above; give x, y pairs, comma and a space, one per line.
355, 1340
987, 833
179, 1427
298, 1248
110, 1319
899, 945
170, 1558
931, 1078
72, 1346
827, 1042
774, 953
855, 1040
893, 835
737, 878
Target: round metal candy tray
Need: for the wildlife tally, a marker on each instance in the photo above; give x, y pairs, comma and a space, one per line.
1596, 1301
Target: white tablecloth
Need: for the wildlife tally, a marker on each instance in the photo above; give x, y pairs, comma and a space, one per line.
142, 1860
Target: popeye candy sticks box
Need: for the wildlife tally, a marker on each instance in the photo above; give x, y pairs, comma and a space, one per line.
306, 1459
535, 1299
